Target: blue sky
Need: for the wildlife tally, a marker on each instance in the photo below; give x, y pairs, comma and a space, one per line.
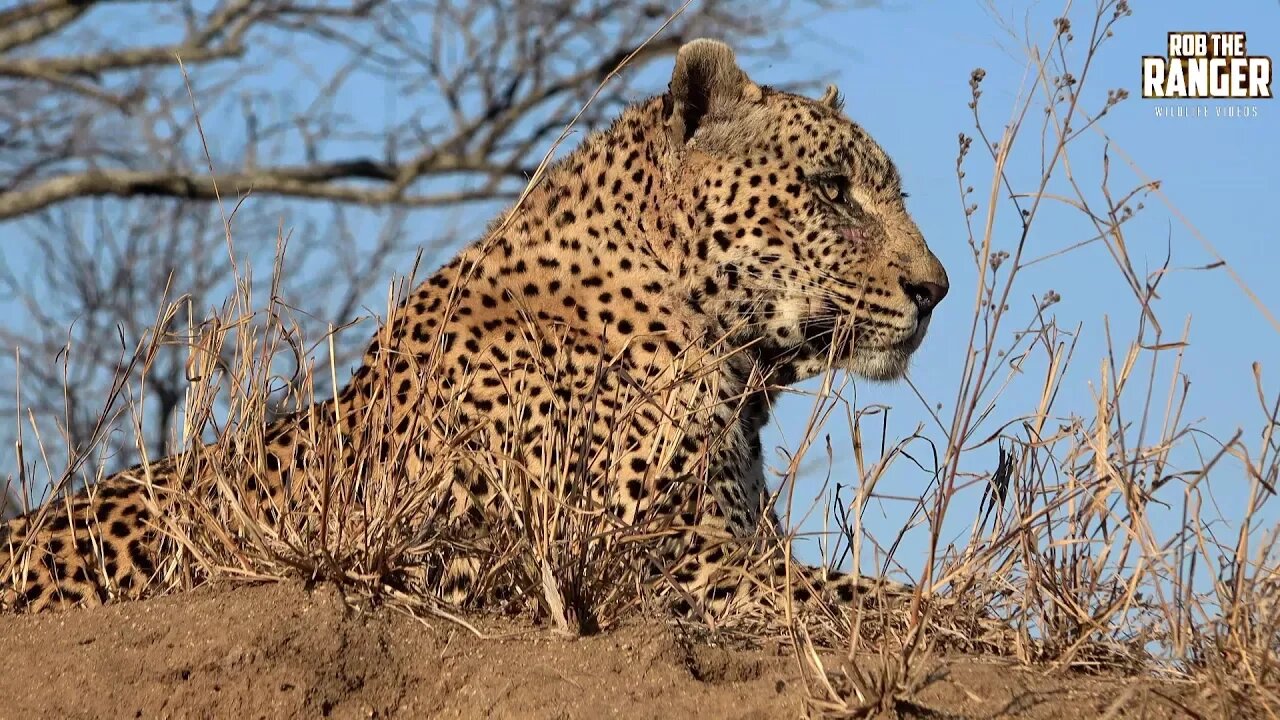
904, 66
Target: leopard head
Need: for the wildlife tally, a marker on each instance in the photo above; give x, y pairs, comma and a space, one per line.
793, 229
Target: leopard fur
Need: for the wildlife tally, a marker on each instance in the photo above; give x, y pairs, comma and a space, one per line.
660, 284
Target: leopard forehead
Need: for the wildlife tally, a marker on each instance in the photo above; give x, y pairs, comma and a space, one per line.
814, 134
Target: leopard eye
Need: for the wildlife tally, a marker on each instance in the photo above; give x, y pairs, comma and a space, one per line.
833, 189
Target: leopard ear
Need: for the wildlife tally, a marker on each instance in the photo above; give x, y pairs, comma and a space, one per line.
706, 80
832, 98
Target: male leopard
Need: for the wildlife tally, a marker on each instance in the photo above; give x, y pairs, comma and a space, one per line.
625, 326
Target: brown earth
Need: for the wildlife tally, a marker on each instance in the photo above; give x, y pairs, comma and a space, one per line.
279, 651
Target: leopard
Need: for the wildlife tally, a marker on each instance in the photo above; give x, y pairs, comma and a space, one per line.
625, 327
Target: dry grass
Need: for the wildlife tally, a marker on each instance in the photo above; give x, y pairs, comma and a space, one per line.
1069, 553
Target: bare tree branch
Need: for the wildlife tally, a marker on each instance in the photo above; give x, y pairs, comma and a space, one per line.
314, 182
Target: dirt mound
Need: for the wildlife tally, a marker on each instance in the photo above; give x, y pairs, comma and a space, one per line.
279, 651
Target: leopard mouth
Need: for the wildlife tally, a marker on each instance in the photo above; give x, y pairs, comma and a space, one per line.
830, 339
836, 333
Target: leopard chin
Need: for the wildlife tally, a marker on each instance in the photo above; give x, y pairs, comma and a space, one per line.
889, 363
881, 365
827, 347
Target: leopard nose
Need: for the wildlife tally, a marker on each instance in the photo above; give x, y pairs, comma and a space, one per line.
926, 295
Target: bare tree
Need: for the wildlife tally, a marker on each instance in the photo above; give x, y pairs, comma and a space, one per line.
133, 133
471, 89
